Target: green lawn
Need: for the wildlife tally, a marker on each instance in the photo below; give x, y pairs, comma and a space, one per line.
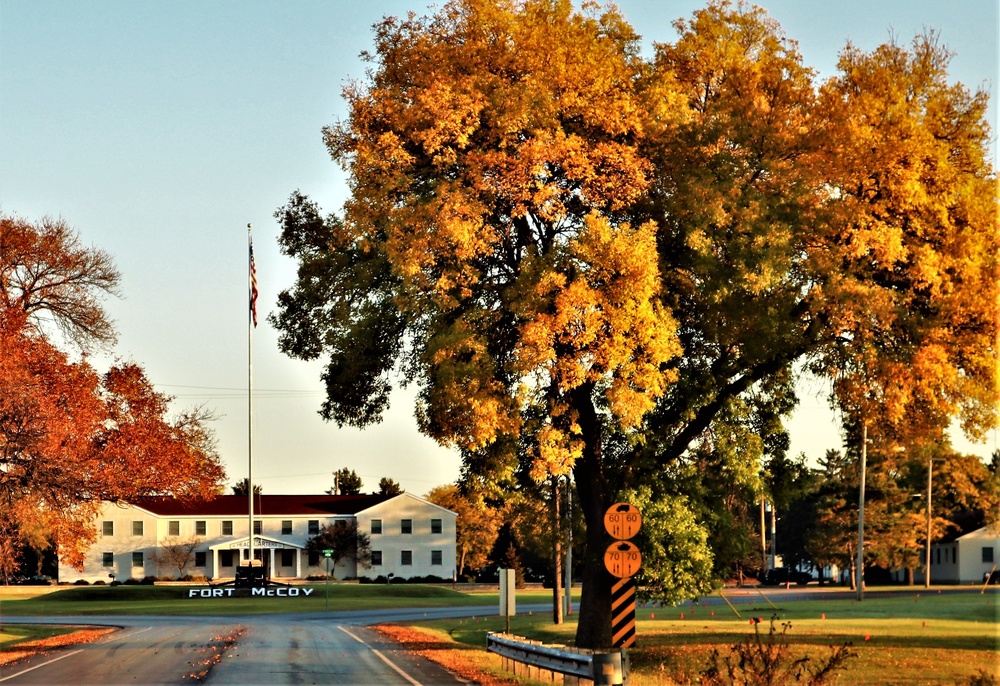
931, 639
174, 600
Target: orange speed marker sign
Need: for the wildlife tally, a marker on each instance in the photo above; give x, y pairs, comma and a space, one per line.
622, 521
622, 559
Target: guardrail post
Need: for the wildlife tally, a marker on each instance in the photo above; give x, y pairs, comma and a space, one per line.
607, 669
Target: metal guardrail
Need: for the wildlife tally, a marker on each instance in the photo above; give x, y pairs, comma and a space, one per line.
544, 657
600, 668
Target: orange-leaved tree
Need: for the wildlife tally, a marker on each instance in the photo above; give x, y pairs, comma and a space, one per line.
583, 259
70, 437
486, 248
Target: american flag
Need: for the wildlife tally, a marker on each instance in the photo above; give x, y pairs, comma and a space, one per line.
253, 287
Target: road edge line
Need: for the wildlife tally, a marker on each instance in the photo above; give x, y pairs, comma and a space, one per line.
48, 662
383, 658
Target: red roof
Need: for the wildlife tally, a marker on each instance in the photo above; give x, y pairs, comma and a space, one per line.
264, 505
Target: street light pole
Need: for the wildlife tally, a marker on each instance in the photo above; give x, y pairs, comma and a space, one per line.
859, 572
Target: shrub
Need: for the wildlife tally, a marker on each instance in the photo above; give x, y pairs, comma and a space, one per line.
100, 582
982, 678
81, 582
765, 661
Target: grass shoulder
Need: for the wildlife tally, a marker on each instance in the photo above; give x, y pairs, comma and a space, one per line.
894, 638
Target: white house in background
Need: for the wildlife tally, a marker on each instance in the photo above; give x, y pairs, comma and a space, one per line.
410, 536
965, 559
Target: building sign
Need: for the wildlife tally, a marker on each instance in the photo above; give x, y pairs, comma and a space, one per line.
230, 592
259, 543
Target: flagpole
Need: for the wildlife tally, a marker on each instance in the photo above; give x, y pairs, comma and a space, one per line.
251, 322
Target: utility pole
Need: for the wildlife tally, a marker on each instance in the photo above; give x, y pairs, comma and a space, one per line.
763, 537
859, 572
557, 610
927, 561
568, 586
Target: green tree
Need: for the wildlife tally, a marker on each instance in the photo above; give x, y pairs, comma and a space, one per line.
344, 542
792, 486
387, 486
834, 536
241, 487
676, 555
345, 482
582, 259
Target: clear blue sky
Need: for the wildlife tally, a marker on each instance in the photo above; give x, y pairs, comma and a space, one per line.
160, 129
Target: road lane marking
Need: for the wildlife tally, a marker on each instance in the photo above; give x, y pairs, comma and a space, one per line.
383, 658
31, 669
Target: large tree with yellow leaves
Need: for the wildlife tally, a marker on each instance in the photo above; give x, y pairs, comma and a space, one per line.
582, 258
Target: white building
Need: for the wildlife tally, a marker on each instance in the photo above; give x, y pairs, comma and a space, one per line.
964, 560
410, 537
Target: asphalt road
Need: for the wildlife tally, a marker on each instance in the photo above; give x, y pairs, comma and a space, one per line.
308, 648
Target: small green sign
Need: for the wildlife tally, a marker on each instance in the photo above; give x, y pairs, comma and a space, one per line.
327, 553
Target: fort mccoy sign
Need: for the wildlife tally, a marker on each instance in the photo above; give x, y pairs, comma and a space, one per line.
268, 592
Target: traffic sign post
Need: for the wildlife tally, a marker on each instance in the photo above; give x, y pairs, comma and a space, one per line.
623, 613
622, 559
327, 554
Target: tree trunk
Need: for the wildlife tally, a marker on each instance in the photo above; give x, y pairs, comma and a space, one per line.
594, 628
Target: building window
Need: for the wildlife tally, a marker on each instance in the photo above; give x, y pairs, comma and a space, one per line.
313, 558
137, 560
287, 558
107, 559
376, 558
406, 557
201, 528
435, 557
286, 527
938, 556
107, 528
227, 527
406, 526
435, 526
137, 528
257, 527
313, 527
173, 528
200, 558
225, 558
954, 555
376, 526
987, 553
